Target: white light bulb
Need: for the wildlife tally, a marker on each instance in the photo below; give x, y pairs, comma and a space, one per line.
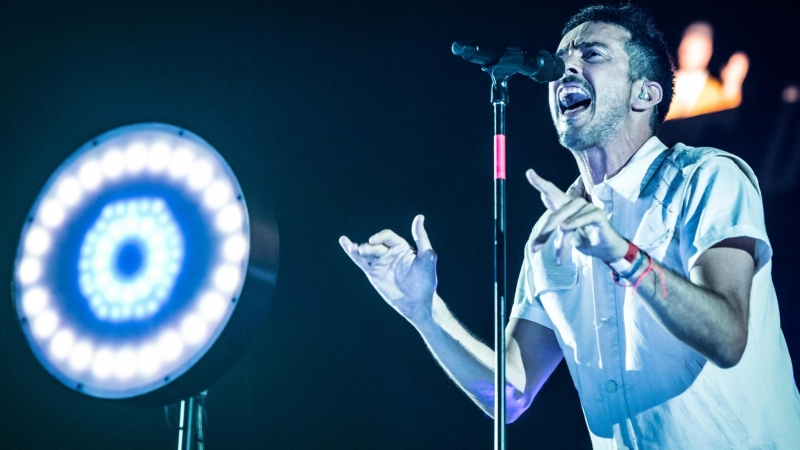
90, 175
212, 306
69, 191
37, 241
103, 363
125, 363
158, 205
113, 164
135, 157
180, 162
29, 270
61, 344
217, 194
116, 230
112, 296
158, 157
45, 324
200, 175
226, 278
149, 359
230, 218
234, 249
193, 329
170, 345
81, 356
130, 224
147, 226
34, 301
51, 213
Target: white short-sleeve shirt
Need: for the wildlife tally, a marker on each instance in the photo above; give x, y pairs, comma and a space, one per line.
640, 387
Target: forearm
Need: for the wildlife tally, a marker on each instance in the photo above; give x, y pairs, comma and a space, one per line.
707, 321
469, 362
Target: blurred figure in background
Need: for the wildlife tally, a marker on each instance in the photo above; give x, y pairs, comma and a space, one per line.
696, 91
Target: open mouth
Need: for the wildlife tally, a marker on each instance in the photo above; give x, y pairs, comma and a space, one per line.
573, 99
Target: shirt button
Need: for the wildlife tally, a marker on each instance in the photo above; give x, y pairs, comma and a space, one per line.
611, 386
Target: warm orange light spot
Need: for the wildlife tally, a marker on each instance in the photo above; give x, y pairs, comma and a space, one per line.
696, 90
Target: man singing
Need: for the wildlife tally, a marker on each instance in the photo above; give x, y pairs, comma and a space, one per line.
650, 275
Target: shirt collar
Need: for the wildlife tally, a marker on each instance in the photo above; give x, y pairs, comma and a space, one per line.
628, 181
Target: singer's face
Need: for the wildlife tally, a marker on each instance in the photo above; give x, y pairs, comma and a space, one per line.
591, 102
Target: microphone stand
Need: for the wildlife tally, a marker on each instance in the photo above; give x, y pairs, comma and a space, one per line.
500, 74
543, 68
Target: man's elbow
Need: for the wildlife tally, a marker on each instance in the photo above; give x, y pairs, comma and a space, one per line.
516, 406
513, 414
730, 355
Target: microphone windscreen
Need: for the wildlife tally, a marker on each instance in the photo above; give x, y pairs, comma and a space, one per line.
552, 67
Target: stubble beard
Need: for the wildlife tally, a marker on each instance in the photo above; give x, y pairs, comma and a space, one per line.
597, 132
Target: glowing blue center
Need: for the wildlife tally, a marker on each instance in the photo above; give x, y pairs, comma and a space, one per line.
130, 259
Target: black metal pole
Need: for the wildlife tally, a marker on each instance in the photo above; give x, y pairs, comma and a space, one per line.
499, 100
501, 65
190, 424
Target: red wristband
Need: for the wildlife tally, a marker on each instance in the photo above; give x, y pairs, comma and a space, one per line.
631, 254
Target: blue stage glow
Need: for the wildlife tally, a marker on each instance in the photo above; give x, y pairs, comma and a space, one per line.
131, 260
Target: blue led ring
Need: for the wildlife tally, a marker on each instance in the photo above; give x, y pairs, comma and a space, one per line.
109, 304
130, 258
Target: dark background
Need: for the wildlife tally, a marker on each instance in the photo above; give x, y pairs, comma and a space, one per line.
345, 118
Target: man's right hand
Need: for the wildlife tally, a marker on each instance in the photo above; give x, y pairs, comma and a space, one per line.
403, 276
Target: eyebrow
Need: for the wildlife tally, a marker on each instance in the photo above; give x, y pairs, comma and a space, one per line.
581, 45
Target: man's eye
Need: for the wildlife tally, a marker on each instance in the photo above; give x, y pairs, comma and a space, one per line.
591, 54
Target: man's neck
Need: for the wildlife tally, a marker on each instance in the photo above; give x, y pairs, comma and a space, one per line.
603, 161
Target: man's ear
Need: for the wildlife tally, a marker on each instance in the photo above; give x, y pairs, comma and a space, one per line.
647, 96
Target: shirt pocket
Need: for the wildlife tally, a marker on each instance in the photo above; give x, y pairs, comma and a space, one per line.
549, 276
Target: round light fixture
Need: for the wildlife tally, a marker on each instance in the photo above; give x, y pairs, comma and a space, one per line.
132, 263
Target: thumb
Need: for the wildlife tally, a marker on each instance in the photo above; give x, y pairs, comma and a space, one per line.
424, 248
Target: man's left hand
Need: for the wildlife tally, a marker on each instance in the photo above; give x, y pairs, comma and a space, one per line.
576, 219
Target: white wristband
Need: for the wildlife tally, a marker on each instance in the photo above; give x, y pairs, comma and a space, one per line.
621, 265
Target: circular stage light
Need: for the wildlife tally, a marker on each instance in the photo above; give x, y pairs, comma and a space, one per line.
132, 263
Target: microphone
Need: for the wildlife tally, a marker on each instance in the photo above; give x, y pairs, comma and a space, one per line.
542, 67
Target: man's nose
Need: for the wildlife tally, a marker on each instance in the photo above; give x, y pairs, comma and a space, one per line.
572, 63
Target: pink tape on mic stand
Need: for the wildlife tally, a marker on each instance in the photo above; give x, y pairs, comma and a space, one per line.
499, 157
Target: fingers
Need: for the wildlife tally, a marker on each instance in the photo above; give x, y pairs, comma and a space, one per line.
560, 243
425, 252
386, 237
384, 242
372, 251
352, 251
556, 219
349, 247
553, 197
585, 216
420, 235
362, 254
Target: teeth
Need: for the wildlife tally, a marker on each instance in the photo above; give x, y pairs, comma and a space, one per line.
571, 90
570, 95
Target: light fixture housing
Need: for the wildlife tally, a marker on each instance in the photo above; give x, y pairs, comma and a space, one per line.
130, 271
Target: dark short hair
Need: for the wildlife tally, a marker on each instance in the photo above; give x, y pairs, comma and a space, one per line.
647, 50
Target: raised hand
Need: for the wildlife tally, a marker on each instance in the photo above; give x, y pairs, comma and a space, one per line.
403, 276
577, 220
